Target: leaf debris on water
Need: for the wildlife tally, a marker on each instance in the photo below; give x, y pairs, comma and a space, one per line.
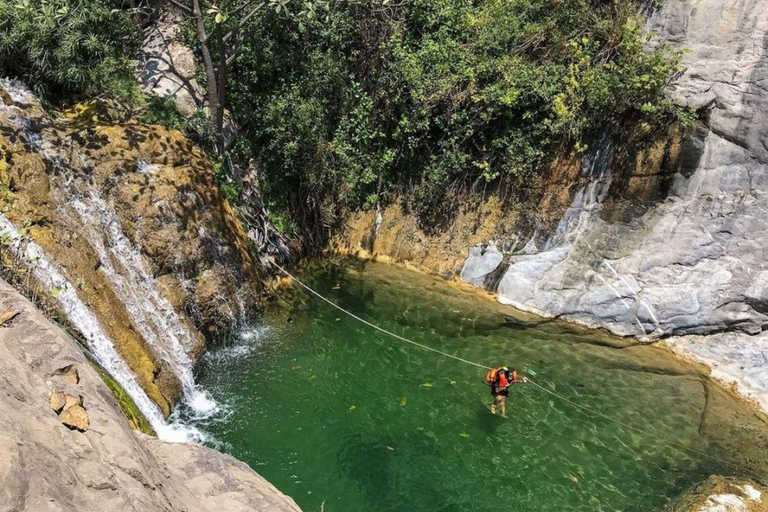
426, 385
403, 401
352, 408
390, 448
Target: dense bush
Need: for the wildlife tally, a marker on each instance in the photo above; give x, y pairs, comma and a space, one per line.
68, 49
438, 95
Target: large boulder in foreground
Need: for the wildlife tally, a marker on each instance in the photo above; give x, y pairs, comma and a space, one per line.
45, 466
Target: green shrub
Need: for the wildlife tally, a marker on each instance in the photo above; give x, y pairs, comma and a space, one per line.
162, 111
66, 50
440, 96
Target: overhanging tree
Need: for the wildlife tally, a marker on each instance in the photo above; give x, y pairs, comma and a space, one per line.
222, 29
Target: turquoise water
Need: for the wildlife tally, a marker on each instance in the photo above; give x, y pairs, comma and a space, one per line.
343, 418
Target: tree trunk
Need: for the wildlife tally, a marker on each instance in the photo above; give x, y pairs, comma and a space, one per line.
222, 89
210, 72
261, 232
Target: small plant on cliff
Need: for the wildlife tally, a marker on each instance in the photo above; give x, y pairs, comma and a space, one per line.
68, 50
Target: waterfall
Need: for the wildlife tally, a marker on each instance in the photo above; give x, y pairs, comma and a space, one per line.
83, 319
154, 317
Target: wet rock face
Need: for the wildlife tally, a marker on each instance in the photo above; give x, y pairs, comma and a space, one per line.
91, 460
131, 216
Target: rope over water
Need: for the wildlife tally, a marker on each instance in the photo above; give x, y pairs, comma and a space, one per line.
583, 408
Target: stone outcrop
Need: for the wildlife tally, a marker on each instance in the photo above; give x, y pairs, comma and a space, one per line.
719, 494
167, 67
130, 215
107, 466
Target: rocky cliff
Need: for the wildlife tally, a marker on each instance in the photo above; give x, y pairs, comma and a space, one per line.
668, 241
120, 227
47, 465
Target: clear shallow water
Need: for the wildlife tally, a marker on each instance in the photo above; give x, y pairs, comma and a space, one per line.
341, 417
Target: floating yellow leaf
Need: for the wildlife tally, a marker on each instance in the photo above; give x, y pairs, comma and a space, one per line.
403, 401
352, 407
390, 448
574, 479
464, 434
312, 377
338, 319
427, 385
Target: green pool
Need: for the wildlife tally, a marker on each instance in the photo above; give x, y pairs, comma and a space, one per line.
343, 418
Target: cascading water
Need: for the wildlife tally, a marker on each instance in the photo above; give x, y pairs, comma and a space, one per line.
83, 319
155, 319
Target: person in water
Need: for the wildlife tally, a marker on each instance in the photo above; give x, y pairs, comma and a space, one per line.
499, 380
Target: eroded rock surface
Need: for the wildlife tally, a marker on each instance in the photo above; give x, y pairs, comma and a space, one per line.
46, 466
131, 217
719, 494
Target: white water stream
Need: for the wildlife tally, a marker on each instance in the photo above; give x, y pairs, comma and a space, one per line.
154, 318
83, 319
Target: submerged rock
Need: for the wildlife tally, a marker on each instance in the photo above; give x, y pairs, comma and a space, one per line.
720, 494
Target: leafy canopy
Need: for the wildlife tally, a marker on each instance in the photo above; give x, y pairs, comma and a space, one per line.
68, 49
363, 102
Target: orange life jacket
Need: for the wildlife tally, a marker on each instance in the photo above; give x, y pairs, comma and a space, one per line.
498, 377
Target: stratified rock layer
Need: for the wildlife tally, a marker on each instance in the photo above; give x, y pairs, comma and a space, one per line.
46, 466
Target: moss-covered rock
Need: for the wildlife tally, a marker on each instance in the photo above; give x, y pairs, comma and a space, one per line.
159, 190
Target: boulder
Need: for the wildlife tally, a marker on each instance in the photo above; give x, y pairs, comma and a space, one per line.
71, 401
68, 374
57, 400
75, 417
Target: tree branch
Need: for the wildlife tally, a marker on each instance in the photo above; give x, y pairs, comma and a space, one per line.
245, 20
243, 6
181, 6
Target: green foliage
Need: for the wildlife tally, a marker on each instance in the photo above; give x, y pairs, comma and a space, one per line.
69, 49
200, 128
363, 102
162, 111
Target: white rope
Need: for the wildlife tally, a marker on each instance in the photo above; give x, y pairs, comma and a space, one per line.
583, 408
366, 322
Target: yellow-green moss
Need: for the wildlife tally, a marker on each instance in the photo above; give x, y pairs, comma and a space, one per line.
136, 419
